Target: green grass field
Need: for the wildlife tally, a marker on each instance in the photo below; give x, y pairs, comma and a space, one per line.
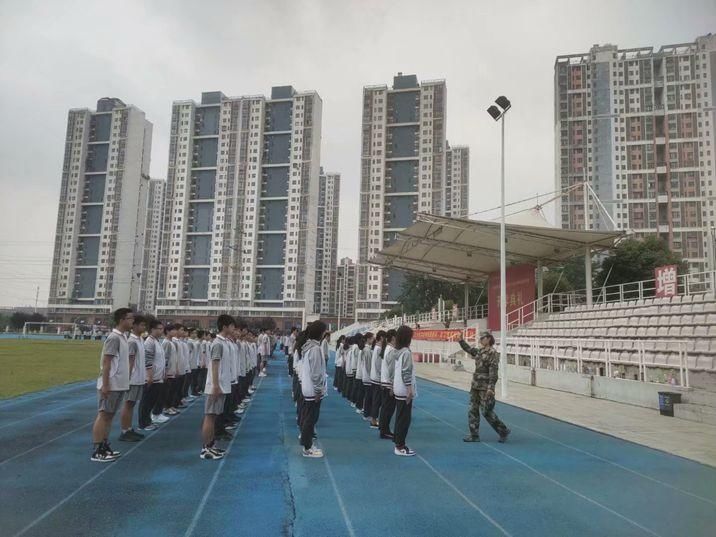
32, 365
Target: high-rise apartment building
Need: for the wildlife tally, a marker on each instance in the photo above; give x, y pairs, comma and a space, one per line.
152, 242
240, 217
97, 259
345, 292
327, 254
402, 174
638, 126
457, 180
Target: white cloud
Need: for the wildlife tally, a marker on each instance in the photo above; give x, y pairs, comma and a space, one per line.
59, 55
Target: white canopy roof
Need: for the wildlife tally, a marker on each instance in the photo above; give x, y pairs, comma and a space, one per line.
462, 250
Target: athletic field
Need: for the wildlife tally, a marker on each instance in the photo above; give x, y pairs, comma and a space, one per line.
550, 479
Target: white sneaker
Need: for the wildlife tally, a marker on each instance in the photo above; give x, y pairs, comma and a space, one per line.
313, 452
262, 374
239, 411
161, 418
359, 411
405, 451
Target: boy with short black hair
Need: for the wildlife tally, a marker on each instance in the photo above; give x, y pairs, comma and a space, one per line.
218, 385
137, 379
155, 367
171, 354
111, 384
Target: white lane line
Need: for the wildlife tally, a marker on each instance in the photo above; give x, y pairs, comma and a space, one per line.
205, 498
47, 412
28, 451
595, 456
341, 504
467, 500
91, 480
48, 393
551, 480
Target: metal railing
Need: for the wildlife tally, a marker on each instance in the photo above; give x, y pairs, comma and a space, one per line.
613, 358
686, 284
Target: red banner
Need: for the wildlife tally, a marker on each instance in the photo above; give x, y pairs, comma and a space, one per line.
520, 291
666, 281
443, 335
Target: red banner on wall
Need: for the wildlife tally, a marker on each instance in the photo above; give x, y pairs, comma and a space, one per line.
443, 335
520, 291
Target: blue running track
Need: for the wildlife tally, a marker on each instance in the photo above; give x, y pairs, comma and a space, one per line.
551, 478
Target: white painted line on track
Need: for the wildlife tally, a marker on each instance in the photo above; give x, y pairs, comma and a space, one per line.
47, 412
467, 500
341, 504
92, 479
593, 455
28, 451
205, 497
554, 481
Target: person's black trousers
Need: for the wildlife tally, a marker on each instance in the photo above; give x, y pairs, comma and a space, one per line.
386, 411
195, 375
403, 414
289, 361
309, 416
358, 393
337, 376
146, 404
185, 385
345, 392
376, 400
169, 389
299, 408
367, 400
159, 404
178, 387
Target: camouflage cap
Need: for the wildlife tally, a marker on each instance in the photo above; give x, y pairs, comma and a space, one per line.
485, 333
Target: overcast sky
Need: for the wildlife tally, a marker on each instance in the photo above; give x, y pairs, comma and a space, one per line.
60, 55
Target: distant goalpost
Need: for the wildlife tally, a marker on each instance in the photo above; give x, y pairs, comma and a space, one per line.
73, 327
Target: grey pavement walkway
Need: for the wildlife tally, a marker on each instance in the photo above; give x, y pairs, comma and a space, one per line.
692, 440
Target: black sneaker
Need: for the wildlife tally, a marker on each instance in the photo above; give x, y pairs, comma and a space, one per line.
108, 449
102, 456
210, 455
471, 438
135, 433
128, 437
214, 448
503, 437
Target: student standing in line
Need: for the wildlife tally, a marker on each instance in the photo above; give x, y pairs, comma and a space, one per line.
218, 386
137, 380
300, 341
375, 386
404, 388
367, 363
313, 385
291, 348
387, 372
350, 366
347, 347
113, 381
172, 356
185, 354
338, 373
195, 349
155, 365
264, 347
324, 346
158, 411
205, 344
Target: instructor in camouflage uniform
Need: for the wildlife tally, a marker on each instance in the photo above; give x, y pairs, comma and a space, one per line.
482, 391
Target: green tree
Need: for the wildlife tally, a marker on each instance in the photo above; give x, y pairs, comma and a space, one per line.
634, 259
421, 294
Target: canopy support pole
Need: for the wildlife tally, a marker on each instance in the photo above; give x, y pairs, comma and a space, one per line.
588, 274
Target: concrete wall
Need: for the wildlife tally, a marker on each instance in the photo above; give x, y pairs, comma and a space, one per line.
631, 392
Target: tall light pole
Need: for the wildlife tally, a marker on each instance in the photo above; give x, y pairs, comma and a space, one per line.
498, 113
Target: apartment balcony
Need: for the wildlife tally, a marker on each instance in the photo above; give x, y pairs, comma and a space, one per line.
659, 82
660, 140
662, 198
660, 167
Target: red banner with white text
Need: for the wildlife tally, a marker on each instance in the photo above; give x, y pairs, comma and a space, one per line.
520, 291
451, 334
